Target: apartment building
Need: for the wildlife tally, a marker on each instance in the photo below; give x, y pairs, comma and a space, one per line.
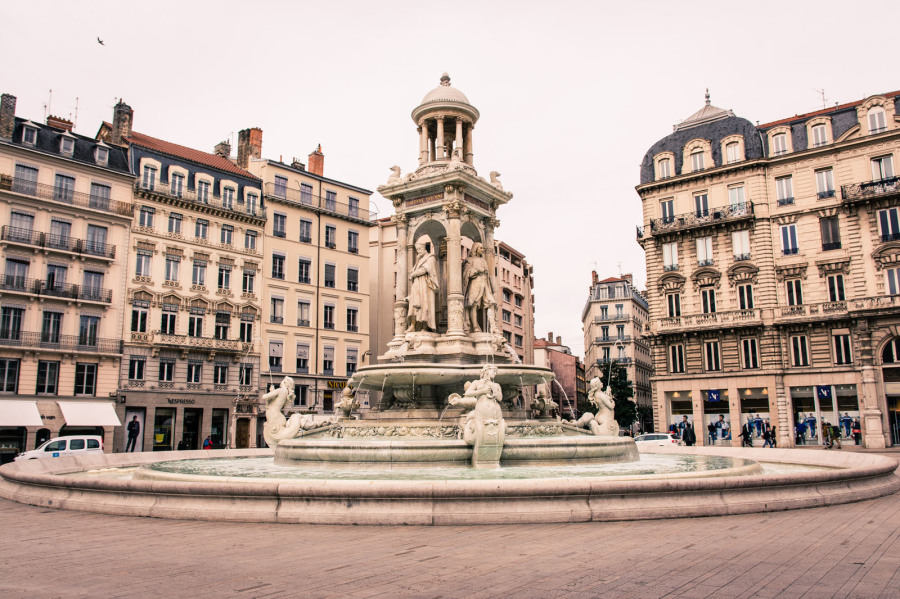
772, 285
65, 208
515, 300
315, 279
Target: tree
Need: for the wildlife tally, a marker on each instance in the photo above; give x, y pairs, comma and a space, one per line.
622, 391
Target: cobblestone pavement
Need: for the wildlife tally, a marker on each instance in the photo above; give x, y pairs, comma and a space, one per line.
843, 551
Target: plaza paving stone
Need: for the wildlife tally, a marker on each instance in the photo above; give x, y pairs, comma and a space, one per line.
846, 551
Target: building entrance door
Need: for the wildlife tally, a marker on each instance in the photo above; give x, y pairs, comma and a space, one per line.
242, 435
190, 430
894, 419
328, 401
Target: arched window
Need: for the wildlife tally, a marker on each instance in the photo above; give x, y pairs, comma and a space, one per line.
891, 352
877, 122
697, 160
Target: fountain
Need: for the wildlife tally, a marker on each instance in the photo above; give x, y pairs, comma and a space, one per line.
445, 444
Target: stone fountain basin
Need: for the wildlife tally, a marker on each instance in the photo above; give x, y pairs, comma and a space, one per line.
375, 377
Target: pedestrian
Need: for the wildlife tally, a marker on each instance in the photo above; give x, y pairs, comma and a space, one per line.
681, 426
857, 431
746, 436
207, 443
711, 430
847, 422
687, 436
826, 435
801, 433
774, 438
134, 431
767, 437
836, 436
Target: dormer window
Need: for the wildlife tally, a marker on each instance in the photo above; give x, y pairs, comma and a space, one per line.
697, 160
877, 122
203, 191
665, 170
66, 145
779, 143
29, 136
819, 135
733, 152
101, 155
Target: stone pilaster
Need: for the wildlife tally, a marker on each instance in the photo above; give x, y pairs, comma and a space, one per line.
439, 143
455, 298
401, 305
469, 150
458, 139
423, 144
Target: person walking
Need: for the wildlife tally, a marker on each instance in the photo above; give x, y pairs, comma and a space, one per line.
857, 431
836, 436
746, 436
134, 431
773, 437
687, 436
207, 443
767, 437
711, 429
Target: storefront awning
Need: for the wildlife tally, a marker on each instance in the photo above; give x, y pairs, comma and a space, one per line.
89, 413
14, 412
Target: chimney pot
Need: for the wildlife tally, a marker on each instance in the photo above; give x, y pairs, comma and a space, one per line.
58, 122
123, 116
7, 115
223, 148
316, 162
550, 336
558, 340
249, 146
295, 162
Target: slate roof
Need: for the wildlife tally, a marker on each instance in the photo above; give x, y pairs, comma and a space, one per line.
48, 142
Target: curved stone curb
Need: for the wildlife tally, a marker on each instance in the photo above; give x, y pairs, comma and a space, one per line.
44, 483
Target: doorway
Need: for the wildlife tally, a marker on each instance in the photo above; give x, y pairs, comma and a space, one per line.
242, 434
328, 401
894, 418
190, 429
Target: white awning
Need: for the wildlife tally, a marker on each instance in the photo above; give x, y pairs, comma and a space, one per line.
89, 413
14, 412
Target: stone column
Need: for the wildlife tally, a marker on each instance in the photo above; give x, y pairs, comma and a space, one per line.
455, 298
470, 151
400, 305
423, 143
439, 143
734, 413
253, 429
873, 432
458, 140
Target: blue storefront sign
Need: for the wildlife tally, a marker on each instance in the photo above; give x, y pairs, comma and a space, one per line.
823, 391
713, 395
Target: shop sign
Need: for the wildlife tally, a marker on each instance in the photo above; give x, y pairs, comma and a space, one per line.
714, 395
337, 384
823, 391
181, 400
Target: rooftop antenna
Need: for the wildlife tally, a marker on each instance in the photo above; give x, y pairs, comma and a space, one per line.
49, 107
75, 119
619, 264
821, 92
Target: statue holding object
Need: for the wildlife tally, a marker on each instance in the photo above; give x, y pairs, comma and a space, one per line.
423, 287
479, 290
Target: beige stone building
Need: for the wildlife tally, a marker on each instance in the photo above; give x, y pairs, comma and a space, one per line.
614, 319
65, 208
772, 285
315, 278
191, 330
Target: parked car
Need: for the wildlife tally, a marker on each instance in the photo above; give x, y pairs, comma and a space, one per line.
64, 446
656, 440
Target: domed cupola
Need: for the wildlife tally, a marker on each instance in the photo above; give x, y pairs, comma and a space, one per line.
445, 121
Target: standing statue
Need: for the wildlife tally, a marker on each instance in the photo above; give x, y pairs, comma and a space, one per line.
277, 427
479, 289
484, 427
423, 286
603, 424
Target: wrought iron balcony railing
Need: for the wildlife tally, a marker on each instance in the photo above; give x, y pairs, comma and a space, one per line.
59, 343
857, 192
54, 289
56, 242
233, 204
786, 201
828, 193
64, 195
702, 218
834, 245
297, 196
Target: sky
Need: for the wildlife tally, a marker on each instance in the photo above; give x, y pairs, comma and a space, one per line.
571, 93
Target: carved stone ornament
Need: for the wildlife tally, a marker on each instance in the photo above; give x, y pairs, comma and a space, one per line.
146, 245
786, 219
415, 432
742, 272
887, 255
671, 282
791, 271
706, 277
836, 266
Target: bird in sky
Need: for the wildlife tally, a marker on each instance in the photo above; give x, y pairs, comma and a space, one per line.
100, 41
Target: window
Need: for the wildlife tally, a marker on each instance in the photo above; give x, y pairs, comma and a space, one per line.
198, 274
779, 142
352, 356
249, 281
281, 184
172, 264
670, 256
252, 203
789, 240
519, 340
330, 200
66, 145
26, 179
277, 266
203, 191
139, 320
330, 236
279, 223
306, 193
305, 231
882, 168
673, 301
224, 278
201, 228
88, 328
889, 223
740, 243
732, 152
329, 275
148, 180
175, 224
145, 216
16, 274
64, 188
167, 324
47, 378
9, 375
328, 360
29, 136
825, 183
195, 325
704, 251
711, 355
176, 184
819, 135
353, 242
302, 358
745, 296
708, 300
784, 191
246, 332
836, 288
667, 210
518, 301
750, 353
353, 208
891, 352
842, 354
697, 160
228, 198
507, 316
877, 122
604, 333
353, 319
194, 372
277, 310
227, 234
166, 370
352, 279
676, 358
96, 240
664, 167
302, 313
831, 234
794, 292
892, 275
517, 320
51, 323
701, 205
21, 227
276, 355
85, 379
328, 319
507, 296
220, 374
142, 268
250, 240
736, 197
56, 278
100, 195
305, 267
245, 378
799, 351
136, 366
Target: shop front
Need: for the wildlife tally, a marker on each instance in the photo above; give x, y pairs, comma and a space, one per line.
816, 405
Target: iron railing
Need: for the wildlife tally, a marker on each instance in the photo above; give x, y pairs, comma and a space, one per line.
828, 193
235, 205
709, 320
56, 342
54, 289
786, 201
855, 192
56, 242
814, 311
834, 245
64, 195
297, 196
620, 361
702, 218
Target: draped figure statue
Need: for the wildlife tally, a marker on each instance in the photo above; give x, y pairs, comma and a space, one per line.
423, 287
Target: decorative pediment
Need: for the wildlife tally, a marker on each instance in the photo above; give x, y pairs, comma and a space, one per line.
791, 271
140, 295
174, 251
742, 272
199, 304
786, 219
172, 299
837, 265
226, 261
225, 307
145, 245
249, 313
828, 212
705, 277
248, 265
671, 282
887, 255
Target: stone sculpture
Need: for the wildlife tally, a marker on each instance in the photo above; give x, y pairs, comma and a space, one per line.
479, 290
348, 402
484, 427
395, 176
277, 427
543, 401
495, 180
603, 424
423, 287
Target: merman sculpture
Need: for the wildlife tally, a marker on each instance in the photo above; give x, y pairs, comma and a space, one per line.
484, 427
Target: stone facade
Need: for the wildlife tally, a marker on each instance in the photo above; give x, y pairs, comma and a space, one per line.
770, 265
515, 300
552, 354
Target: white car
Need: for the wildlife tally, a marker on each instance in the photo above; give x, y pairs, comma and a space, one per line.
64, 446
657, 440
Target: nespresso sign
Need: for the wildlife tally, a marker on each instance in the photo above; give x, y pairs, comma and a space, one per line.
182, 400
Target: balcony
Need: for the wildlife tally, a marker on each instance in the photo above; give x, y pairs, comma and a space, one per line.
702, 218
878, 302
618, 339
670, 268
619, 361
811, 312
790, 251
352, 328
60, 343
65, 196
785, 201
56, 242
861, 192
612, 318
302, 323
731, 318
278, 319
707, 262
823, 195
188, 342
61, 290
305, 239
827, 247
190, 198
890, 237
741, 257
300, 198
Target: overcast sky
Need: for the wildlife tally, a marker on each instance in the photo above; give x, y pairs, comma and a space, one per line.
571, 94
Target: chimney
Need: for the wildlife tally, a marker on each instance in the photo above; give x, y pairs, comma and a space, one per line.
550, 336
123, 116
223, 148
7, 116
295, 162
628, 277
59, 123
594, 278
558, 340
249, 146
316, 162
